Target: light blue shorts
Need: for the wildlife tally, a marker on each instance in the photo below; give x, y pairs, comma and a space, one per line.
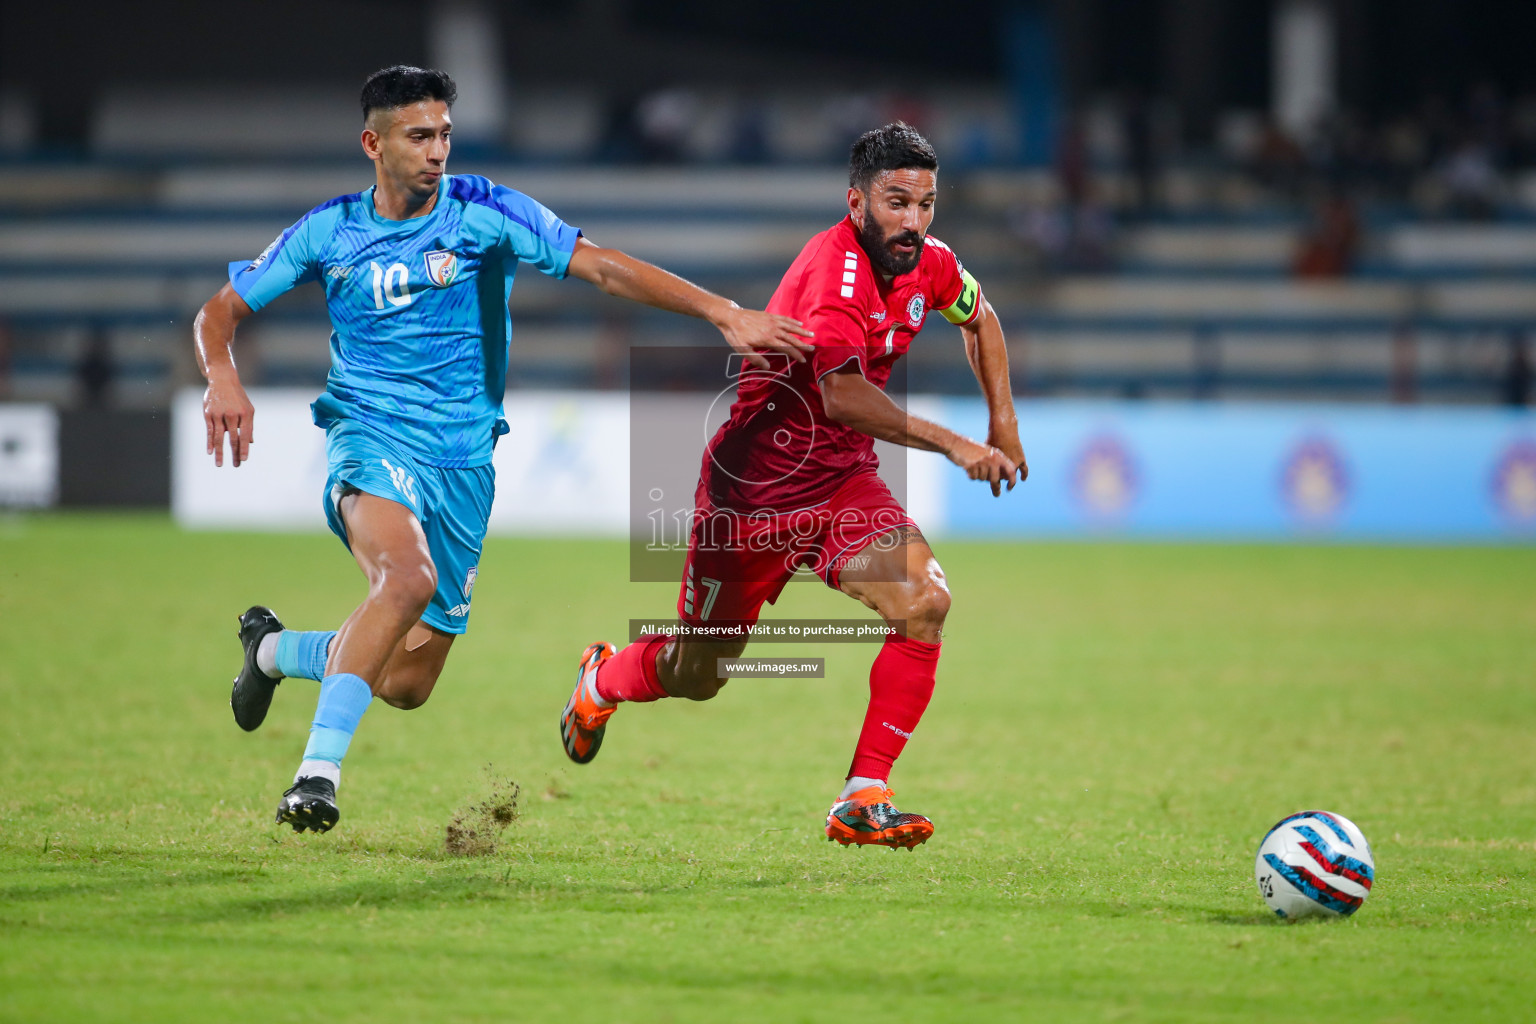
452, 505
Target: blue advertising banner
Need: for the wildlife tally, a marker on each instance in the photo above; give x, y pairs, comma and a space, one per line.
1228, 471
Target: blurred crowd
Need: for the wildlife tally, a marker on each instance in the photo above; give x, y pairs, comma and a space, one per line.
1443, 158
1127, 159
679, 124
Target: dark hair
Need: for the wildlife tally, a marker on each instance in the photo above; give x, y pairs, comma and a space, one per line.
402, 85
896, 146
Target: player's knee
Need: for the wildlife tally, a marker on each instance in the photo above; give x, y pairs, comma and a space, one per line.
410, 586
928, 605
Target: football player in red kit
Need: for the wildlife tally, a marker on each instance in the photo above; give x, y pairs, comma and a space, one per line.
790, 480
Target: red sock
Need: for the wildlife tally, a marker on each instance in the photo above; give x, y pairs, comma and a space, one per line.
900, 686
631, 674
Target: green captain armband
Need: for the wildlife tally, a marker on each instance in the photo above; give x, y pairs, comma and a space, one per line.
963, 311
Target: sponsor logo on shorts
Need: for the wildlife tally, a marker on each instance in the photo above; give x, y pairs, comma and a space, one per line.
916, 310
403, 481
442, 267
458, 611
339, 273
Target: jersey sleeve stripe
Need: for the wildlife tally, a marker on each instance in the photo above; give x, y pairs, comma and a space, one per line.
852, 358
472, 188
245, 275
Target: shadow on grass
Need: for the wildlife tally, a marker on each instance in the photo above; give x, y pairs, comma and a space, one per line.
246, 892
1246, 920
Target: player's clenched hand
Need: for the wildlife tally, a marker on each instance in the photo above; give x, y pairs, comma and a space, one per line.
752, 332
226, 409
1008, 444
984, 462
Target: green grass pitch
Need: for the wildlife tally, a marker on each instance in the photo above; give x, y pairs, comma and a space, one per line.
1115, 727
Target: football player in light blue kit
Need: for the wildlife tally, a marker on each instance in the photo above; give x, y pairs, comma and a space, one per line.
417, 272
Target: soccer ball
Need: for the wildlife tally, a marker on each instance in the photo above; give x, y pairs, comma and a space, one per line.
1315, 863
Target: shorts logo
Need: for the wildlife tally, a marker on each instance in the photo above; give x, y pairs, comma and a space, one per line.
339, 273
915, 311
403, 481
442, 267
469, 580
458, 611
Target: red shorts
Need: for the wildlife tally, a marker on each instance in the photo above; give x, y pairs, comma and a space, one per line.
736, 560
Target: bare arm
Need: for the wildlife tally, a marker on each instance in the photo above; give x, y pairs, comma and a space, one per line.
748, 331
226, 409
854, 402
987, 352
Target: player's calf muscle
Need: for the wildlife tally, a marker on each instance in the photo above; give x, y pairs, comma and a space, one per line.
411, 673
691, 670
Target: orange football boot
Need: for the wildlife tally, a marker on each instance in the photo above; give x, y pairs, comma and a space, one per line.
583, 721
868, 818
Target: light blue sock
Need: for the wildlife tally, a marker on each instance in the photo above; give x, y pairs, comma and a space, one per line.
301, 654
343, 699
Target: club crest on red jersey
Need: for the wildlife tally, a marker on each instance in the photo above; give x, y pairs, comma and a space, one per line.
442, 267
916, 309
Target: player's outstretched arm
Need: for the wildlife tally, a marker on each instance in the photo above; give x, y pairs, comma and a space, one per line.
854, 402
748, 331
226, 409
987, 352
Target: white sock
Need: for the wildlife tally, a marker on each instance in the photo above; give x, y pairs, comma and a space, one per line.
589, 680
857, 783
266, 654
324, 769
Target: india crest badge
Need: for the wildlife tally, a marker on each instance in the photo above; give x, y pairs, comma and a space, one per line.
442, 267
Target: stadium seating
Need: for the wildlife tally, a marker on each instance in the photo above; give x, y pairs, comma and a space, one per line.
1197, 300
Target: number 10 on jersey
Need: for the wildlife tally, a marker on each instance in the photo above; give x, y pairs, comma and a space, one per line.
390, 284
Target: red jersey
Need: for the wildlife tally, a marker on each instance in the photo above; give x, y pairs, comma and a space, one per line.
779, 451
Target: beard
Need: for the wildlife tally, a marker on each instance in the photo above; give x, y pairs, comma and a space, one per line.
878, 247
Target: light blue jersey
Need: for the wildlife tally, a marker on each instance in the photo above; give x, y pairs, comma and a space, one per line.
418, 309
